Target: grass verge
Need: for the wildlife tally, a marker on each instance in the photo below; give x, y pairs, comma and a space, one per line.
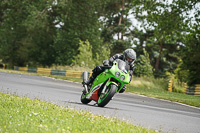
158, 88
163, 94
21, 114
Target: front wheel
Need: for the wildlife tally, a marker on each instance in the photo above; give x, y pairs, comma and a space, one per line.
107, 96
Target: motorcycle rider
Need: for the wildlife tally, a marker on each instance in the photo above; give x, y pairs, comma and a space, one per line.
129, 56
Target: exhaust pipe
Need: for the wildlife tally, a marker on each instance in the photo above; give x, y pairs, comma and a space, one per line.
85, 78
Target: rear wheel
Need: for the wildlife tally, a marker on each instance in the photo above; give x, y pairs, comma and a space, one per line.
84, 100
107, 96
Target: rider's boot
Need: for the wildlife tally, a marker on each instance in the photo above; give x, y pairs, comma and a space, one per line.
123, 89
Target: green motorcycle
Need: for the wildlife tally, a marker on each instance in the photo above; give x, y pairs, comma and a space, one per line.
106, 84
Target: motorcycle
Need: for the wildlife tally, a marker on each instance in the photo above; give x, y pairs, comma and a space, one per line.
106, 84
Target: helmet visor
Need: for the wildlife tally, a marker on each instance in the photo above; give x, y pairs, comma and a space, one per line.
129, 59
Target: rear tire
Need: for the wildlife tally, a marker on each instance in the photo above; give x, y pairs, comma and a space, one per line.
107, 96
84, 100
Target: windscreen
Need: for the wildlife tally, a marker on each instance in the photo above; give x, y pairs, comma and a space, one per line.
122, 65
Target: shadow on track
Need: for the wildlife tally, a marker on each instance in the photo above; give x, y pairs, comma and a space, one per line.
91, 105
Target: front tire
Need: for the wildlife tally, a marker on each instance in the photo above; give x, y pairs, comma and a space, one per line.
107, 96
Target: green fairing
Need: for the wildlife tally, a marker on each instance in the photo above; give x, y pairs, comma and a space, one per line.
108, 73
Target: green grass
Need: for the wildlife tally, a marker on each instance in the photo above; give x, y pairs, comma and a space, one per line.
21, 114
158, 88
149, 83
163, 94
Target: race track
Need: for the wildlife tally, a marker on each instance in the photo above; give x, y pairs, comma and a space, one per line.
161, 115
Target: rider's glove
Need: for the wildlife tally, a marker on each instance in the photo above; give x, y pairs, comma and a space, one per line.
106, 62
123, 89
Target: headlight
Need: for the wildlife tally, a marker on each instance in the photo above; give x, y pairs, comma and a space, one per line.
117, 74
122, 78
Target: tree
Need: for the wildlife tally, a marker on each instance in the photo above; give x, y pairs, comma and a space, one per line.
102, 54
180, 73
84, 58
143, 66
116, 25
12, 32
163, 27
80, 23
190, 56
41, 32
27, 31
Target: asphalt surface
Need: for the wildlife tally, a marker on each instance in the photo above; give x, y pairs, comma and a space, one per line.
160, 115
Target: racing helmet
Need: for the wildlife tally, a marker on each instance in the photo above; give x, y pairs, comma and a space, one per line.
130, 55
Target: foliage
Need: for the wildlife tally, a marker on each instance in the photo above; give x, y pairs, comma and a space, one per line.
164, 24
116, 25
177, 85
11, 32
180, 73
79, 23
103, 54
143, 66
190, 57
45, 33
27, 32
84, 58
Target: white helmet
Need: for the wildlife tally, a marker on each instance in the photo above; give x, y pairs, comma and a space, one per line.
130, 55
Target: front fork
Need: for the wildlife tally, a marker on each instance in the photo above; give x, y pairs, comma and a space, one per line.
107, 84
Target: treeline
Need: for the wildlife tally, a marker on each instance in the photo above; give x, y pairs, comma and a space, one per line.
165, 34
